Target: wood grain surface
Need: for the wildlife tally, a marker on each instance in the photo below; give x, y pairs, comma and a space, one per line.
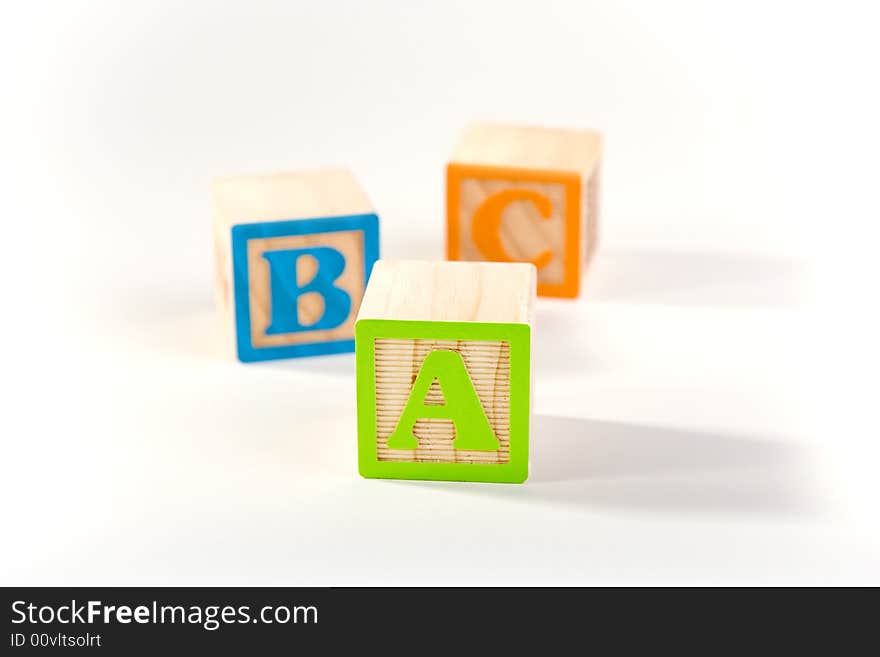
450, 291
524, 232
310, 306
397, 365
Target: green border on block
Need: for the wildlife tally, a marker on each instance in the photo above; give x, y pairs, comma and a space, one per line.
518, 336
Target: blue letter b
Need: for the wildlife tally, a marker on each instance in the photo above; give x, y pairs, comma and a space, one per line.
284, 290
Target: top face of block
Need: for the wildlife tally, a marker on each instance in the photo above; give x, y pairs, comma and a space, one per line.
280, 196
528, 147
414, 290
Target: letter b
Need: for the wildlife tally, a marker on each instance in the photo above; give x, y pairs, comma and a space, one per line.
285, 290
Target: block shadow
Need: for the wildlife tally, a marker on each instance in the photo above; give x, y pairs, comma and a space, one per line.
172, 323
559, 344
597, 465
685, 278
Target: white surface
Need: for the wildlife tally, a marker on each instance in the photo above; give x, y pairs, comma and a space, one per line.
704, 415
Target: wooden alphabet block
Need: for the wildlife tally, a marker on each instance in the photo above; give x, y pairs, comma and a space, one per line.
293, 254
526, 194
443, 375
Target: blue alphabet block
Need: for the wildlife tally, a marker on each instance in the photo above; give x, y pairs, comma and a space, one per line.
293, 286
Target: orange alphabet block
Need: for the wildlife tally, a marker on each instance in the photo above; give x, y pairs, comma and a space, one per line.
524, 194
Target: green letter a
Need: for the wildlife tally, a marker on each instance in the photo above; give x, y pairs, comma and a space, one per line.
462, 406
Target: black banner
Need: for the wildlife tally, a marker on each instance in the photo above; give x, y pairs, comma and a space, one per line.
134, 621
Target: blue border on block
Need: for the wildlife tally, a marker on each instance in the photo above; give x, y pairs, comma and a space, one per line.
241, 233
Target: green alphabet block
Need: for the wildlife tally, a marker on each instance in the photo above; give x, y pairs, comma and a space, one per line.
443, 372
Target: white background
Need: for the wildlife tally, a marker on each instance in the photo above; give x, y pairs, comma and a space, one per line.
705, 414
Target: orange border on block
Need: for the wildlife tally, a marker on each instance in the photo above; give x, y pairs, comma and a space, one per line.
455, 172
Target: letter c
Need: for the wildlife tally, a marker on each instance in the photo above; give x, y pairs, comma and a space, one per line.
486, 224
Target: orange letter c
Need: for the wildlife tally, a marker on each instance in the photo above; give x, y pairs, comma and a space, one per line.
486, 224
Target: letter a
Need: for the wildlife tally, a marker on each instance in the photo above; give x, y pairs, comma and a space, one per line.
462, 405
284, 290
